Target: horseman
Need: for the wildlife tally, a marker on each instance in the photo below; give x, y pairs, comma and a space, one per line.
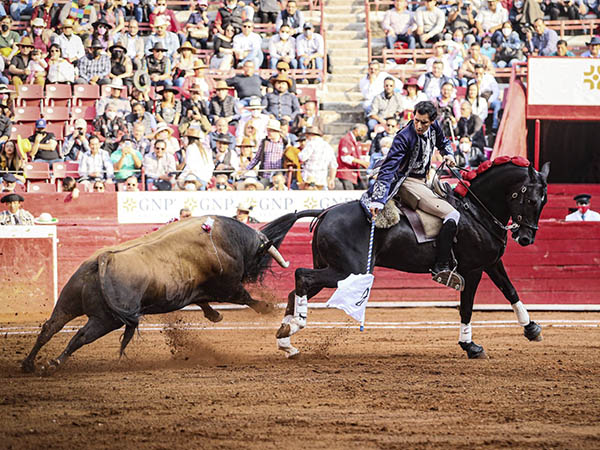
405, 169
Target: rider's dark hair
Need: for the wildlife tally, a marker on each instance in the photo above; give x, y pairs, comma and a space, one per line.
428, 108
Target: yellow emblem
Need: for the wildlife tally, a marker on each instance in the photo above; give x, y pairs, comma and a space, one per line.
594, 76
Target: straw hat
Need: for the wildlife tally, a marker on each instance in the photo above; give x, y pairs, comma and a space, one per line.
194, 132
283, 78
245, 205
39, 22
45, 219
162, 127
314, 131
199, 64
247, 142
187, 45
255, 103
221, 84
67, 23
274, 125
25, 42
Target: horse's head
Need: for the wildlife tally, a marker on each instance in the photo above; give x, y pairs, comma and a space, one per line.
525, 204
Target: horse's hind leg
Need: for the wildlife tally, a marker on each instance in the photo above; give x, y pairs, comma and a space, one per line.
53, 325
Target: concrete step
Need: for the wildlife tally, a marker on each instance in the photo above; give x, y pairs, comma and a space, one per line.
345, 17
329, 116
338, 129
346, 45
341, 107
342, 86
353, 96
345, 26
334, 35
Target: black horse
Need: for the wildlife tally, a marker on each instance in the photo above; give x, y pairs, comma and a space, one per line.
502, 192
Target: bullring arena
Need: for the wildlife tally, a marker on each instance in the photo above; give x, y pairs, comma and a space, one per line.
403, 382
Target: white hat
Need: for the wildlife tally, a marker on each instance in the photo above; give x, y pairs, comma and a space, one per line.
45, 219
81, 123
274, 125
161, 20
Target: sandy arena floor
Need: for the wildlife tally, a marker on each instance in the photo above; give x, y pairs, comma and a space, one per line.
400, 384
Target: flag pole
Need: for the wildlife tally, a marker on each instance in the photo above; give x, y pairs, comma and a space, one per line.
369, 257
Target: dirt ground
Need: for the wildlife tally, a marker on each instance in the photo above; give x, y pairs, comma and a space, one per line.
399, 384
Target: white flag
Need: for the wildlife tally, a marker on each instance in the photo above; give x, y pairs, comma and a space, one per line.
352, 295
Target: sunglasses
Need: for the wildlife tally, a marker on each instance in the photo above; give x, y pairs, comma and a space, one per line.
98, 188
132, 184
246, 26
160, 148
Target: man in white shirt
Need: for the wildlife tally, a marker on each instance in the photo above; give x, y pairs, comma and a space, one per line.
371, 85
159, 166
488, 87
247, 45
491, 18
398, 25
69, 43
431, 21
319, 163
310, 49
583, 213
95, 165
282, 47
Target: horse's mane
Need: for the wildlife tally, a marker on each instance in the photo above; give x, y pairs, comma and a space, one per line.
469, 176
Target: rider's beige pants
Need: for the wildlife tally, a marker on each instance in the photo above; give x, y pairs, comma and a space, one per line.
426, 200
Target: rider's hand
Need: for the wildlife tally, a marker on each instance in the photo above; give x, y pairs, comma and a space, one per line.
374, 211
450, 160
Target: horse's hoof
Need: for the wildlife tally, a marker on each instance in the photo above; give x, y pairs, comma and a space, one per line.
533, 331
285, 345
50, 367
28, 366
216, 317
473, 350
285, 331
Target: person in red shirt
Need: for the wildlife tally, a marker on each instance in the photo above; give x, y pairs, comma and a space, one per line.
349, 160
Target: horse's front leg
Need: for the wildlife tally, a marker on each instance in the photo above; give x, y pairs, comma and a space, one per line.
467, 297
497, 274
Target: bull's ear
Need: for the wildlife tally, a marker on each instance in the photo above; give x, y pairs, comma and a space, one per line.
545, 170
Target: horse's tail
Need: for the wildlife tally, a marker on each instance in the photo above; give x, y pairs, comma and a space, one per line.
314, 224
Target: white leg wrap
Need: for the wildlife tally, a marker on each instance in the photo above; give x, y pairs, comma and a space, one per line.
521, 312
294, 324
284, 344
466, 334
301, 310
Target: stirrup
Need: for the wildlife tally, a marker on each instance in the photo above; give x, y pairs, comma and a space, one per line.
450, 278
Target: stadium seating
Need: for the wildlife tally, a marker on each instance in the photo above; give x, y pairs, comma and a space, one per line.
58, 129
58, 95
27, 114
36, 171
56, 114
85, 94
24, 130
30, 95
41, 188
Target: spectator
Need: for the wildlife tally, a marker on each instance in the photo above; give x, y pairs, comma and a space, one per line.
562, 49
114, 14
430, 23
509, 46
168, 40
39, 35
310, 51
544, 39
582, 214
250, 183
167, 15
122, 105
14, 214
101, 30
98, 186
82, 14
109, 128
278, 182
413, 96
226, 160
195, 111
8, 37
139, 142
282, 47
168, 110
60, 70
248, 84
12, 161
121, 66
462, 17
283, 68
43, 144
440, 53
223, 105
95, 165
198, 159
318, 160
159, 66
141, 96
131, 184
593, 50
490, 19
94, 67
70, 185
292, 17
221, 131
488, 88
309, 117
468, 155
19, 64
280, 103
5, 117
270, 153
196, 79
70, 44
371, 85
349, 159
386, 104
253, 118
487, 49
183, 66
198, 25
242, 213
190, 184
165, 133
140, 116
431, 82
37, 68
9, 182
126, 161
377, 157
390, 130
268, 11
159, 167
76, 144
590, 7
133, 42
470, 125
221, 184
223, 58
399, 25
289, 137
523, 13
467, 70
230, 13
247, 148
48, 11
566, 8
247, 45
479, 105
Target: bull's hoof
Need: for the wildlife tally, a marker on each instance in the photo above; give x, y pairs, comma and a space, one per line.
214, 316
263, 307
28, 366
285, 345
473, 350
284, 331
533, 331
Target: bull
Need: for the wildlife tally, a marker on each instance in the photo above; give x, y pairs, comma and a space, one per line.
195, 261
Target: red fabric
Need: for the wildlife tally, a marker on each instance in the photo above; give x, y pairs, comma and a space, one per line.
512, 135
348, 146
460, 188
484, 166
502, 160
520, 161
470, 175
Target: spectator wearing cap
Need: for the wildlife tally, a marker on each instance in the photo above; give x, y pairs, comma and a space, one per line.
168, 110
399, 25
281, 104
165, 133
132, 41
223, 105
121, 104
168, 39
70, 44
198, 25
583, 212
253, 117
593, 50
310, 49
121, 66
109, 128
41, 38
94, 67
282, 47
247, 45
221, 129
14, 214
9, 182
413, 96
44, 144
159, 166
386, 104
140, 116
318, 160
82, 13
226, 159
198, 159
95, 165
292, 17
248, 84
195, 111
159, 66
76, 143
19, 64
283, 68
431, 82
562, 49
309, 117
349, 159
270, 153
431, 21
544, 39
126, 160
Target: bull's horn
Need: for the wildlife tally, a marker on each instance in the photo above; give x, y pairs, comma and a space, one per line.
277, 257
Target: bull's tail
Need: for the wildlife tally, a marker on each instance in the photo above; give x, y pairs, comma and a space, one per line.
128, 315
277, 229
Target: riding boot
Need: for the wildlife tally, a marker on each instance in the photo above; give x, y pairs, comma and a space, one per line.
442, 270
